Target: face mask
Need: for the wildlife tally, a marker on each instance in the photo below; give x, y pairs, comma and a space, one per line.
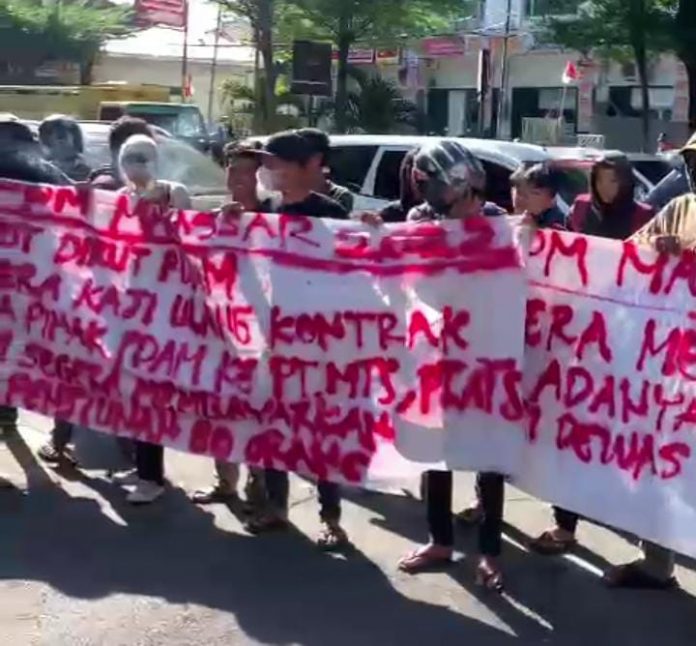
268, 180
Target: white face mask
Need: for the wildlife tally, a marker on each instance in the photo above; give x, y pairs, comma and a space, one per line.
267, 180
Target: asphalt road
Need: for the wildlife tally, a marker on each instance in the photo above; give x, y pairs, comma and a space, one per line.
79, 567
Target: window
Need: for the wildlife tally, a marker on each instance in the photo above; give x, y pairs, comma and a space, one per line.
498, 185
387, 182
350, 164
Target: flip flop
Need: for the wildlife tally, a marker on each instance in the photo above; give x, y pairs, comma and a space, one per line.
491, 580
548, 545
633, 577
423, 559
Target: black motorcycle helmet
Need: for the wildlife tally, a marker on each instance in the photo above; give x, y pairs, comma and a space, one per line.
444, 165
63, 127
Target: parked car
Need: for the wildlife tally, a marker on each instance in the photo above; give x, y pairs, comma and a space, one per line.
179, 162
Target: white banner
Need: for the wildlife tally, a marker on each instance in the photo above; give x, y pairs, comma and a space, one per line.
610, 378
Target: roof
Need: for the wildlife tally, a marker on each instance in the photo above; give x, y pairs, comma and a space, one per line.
508, 153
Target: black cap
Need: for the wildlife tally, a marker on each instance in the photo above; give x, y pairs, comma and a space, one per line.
317, 139
289, 146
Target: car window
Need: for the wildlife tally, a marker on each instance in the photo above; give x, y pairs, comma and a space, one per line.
498, 184
654, 170
350, 165
179, 162
387, 182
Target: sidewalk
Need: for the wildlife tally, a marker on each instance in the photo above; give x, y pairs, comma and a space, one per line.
78, 566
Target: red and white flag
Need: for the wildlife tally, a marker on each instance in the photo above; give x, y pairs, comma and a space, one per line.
570, 73
168, 13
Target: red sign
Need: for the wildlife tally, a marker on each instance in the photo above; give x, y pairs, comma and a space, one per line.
358, 56
443, 47
169, 13
388, 56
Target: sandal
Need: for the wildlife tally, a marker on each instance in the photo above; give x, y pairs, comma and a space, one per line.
470, 516
333, 538
633, 577
266, 523
548, 544
489, 577
214, 495
425, 558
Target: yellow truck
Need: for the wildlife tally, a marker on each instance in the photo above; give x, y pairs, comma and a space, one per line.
81, 101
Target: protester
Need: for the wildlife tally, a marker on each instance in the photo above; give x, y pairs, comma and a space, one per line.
242, 163
320, 144
409, 195
138, 169
453, 183
673, 231
539, 197
62, 141
108, 177
519, 191
609, 211
290, 164
21, 158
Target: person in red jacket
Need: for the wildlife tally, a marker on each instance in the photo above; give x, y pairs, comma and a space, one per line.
609, 211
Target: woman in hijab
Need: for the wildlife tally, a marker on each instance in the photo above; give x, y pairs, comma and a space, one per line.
138, 167
609, 211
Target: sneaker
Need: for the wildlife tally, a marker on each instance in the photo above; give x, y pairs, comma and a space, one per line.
126, 478
52, 455
145, 493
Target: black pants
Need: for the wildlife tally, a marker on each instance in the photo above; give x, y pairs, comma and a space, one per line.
566, 520
8, 417
149, 462
61, 434
490, 488
278, 489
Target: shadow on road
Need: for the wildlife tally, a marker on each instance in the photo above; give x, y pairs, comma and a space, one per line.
280, 589
552, 600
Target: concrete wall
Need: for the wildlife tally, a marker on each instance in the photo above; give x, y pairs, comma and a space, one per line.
164, 71
624, 133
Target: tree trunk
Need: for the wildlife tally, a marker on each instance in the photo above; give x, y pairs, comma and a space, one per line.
345, 40
691, 73
264, 30
86, 70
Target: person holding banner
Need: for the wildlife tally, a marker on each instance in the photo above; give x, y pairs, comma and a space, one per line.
672, 231
608, 211
409, 195
453, 183
242, 163
138, 167
290, 167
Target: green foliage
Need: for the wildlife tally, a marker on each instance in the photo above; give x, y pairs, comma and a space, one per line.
375, 106
72, 30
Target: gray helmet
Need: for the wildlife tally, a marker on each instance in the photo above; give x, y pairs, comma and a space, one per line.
448, 163
65, 125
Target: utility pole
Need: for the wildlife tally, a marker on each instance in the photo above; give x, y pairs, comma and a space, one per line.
502, 97
213, 66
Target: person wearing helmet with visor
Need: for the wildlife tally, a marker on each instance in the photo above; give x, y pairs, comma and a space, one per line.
63, 145
453, 184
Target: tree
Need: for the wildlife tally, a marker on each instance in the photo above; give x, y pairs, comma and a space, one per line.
374, 105
261, 17
376, 22
619, 29
684, 34
32, 32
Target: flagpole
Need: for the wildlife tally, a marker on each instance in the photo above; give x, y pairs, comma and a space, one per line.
213, 67
184, 56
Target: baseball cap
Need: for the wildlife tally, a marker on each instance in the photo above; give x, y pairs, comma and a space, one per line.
289, 146
317, 139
